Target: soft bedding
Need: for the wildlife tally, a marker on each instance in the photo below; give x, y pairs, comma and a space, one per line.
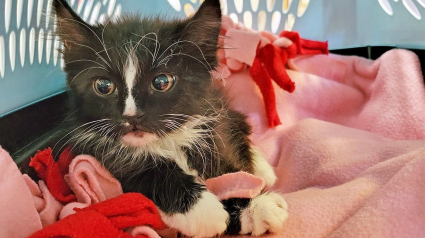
349, 153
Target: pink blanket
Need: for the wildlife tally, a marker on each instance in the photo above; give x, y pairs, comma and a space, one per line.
357, 168
349, 155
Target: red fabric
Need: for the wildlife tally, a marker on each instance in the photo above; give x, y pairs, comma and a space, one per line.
261, 78
106, 219
65, 159
52, 172
273, 59
269, 64
306, 47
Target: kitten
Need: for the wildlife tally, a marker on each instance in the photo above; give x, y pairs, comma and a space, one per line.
141, 102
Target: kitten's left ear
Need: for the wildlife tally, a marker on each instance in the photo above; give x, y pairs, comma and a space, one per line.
70, 27
204, 27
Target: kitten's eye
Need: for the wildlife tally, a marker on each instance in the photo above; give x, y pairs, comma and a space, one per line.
163, 82
103, 86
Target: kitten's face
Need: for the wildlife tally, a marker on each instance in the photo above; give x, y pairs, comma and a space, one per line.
145, 77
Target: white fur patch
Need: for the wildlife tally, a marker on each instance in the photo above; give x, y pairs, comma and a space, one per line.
130, 73
262, 168
206, 218
170, 146
267, 212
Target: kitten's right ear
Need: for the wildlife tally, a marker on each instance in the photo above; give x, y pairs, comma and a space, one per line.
69, 26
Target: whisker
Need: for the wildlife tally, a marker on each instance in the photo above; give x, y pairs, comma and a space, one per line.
90, 68
85, 124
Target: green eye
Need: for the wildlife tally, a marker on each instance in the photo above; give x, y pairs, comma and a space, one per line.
103, 86
163, 82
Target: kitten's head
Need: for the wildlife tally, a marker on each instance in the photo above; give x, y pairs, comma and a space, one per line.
144, 77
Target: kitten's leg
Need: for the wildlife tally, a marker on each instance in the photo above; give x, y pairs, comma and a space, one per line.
184, 202
206, 218
262, 168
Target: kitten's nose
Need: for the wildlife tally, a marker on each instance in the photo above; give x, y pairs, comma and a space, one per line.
134, 119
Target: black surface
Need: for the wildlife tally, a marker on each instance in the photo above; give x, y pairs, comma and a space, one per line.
27, 126
362, 52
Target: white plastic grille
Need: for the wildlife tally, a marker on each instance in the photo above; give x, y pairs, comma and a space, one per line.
18, 41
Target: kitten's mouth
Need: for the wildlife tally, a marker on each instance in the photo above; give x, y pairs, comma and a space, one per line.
136, 132
137, 138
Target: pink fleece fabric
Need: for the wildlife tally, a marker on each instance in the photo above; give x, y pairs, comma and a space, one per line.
350, 152
18, 217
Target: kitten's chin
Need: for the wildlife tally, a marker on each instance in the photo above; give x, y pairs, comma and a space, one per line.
138, 139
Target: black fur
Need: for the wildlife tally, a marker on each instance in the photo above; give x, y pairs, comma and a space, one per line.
100, 51
234, 206
178, 190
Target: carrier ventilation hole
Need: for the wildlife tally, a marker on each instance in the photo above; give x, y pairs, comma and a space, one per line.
19, 8
48, 11
254, 5
286, 5
188, 10
12, 50
7, 13
80, 4
302, 6
117, 12
175, 4
32, 45
238, 5
2, 57
40, 45
29, 11
289, 23
276, 16
421, 2
224, 6
22, 46
48, 46
247, 19
95, 13
270, 5
111, 7
39, 11
261, 20
411, 7
234, 17
87, 10
102, 18
56, 50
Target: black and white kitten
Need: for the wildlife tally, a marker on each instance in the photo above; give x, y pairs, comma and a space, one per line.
142, 103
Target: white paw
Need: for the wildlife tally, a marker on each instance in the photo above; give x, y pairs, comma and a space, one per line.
262, 168
267, 212
206, 218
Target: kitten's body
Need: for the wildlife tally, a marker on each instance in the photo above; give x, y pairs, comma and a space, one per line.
161, 142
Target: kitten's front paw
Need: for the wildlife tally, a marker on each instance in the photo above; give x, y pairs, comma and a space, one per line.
206, 218
267, 212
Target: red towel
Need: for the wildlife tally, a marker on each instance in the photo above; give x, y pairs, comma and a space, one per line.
52, 172
106, 219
